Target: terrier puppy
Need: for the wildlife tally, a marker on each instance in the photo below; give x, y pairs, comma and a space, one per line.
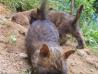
43, 48
67, 24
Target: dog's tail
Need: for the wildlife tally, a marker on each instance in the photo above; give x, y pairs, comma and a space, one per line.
78, 14
42, 10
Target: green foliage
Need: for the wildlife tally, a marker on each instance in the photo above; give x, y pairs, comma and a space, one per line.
96, 5
26, 4
12, 39
88, 6
88, 24
90, 31
27, 71
60, 5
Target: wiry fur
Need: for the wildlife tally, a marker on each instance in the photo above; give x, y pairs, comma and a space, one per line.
43, 47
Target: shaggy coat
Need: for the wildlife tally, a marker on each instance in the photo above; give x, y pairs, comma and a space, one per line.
43, 48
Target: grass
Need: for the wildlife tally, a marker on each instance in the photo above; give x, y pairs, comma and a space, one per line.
12, 39
25, 4
27, 71
90, 32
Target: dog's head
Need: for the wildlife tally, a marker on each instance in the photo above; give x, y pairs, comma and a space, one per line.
49, 60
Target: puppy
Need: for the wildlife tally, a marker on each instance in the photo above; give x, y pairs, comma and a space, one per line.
67, 24
43, 48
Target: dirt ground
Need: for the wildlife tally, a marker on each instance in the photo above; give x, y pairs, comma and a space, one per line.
12, 48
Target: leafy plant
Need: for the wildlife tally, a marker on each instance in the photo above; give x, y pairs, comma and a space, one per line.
96, 5
26, 4
12, 39
27, 71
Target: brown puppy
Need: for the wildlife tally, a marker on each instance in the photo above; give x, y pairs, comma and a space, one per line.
67, 24
42, 43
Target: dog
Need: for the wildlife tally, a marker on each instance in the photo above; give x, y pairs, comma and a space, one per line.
43, 48
67, 24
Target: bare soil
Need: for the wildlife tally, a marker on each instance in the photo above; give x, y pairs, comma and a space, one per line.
12, 48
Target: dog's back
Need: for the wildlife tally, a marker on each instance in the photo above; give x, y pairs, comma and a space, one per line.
62, 20
44, 31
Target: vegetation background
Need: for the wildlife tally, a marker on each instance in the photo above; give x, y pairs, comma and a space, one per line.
88, 20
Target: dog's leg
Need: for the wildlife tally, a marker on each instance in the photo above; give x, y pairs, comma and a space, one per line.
79, 39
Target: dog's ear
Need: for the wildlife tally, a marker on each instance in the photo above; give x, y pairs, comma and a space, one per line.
79, 11
68, 53
44, 51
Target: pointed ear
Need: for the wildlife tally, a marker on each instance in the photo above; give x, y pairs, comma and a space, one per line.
68, 53
79, 11
78, 14
44, 51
